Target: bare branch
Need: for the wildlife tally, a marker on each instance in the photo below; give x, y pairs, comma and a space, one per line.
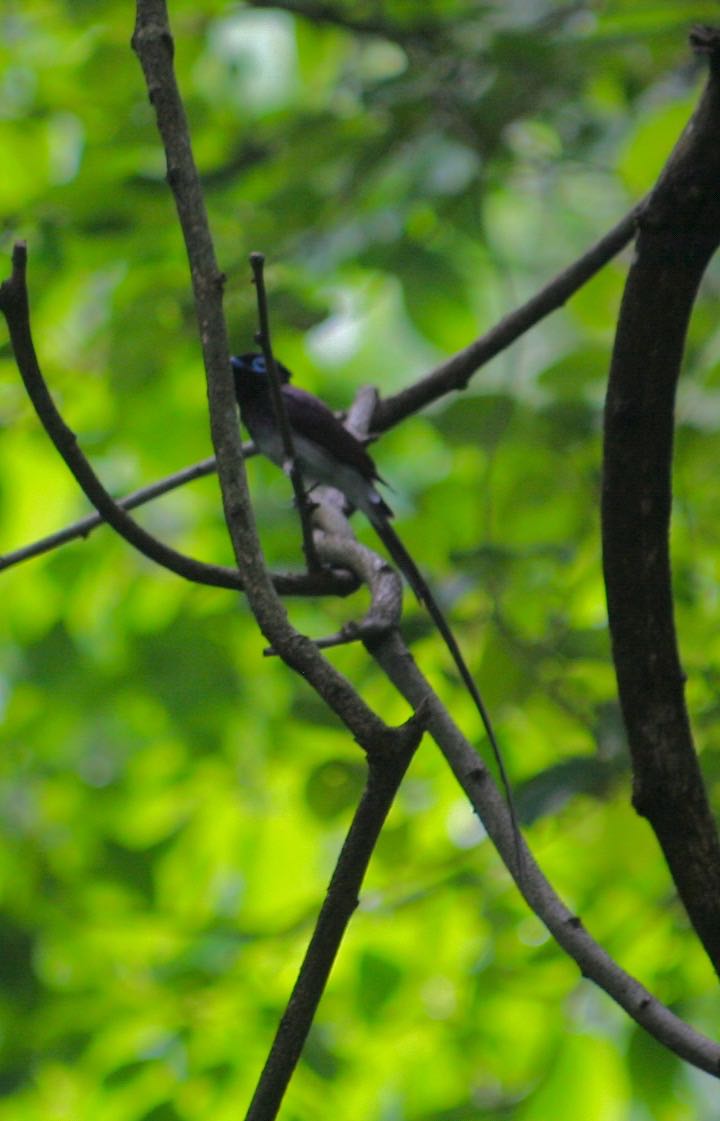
679, 232
457, 371
567, 929
386, 772
14, 305
337, 545
84, 526
153, 44
391, 654
392, 410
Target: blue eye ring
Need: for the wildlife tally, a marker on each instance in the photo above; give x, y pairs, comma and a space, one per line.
253, 365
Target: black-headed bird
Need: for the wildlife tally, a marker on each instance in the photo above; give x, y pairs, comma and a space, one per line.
326, 452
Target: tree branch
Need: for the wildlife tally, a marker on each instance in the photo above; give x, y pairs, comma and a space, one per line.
388, 649
84, 526
679, 232
449, 376
385, 774
391, 410
457, 371
567, 929
152, 41
336, 544
316, 11
14, 305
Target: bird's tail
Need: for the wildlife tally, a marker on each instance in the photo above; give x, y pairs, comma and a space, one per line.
402, 558
419, 585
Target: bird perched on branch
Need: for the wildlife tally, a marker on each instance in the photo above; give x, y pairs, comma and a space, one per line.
328, 454
325, 451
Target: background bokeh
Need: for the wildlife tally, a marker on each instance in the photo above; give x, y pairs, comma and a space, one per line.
172, 802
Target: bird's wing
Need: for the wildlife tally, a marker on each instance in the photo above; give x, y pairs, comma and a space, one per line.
311, 418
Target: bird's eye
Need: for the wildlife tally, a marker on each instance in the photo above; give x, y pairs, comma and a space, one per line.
258, 364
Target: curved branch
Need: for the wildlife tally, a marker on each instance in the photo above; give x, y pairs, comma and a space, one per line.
84, 526
679, 232
14, 305
595, 963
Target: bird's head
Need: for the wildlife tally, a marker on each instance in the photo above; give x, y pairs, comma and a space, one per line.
250, 373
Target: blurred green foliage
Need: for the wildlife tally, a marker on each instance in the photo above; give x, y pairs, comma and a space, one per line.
172, 802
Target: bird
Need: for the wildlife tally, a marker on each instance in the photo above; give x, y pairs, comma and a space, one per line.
328, 454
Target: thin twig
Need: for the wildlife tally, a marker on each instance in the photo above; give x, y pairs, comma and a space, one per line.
292, 467
324, 581
457, 371
84, 526
322, 13
350, 633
